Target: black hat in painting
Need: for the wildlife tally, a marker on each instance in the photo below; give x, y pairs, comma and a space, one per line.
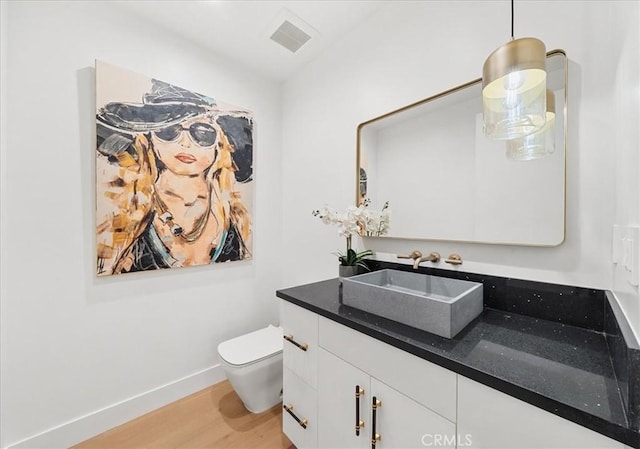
166, 105
162, 92
239, 131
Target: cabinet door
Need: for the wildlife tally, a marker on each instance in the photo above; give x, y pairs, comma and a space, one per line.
403, 423
337, 402
489, 419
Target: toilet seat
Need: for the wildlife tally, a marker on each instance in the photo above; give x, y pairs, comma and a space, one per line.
252, 347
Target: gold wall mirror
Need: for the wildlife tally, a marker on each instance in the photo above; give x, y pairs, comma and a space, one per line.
445, 180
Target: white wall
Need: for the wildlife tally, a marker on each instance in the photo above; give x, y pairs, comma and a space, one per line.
73, 344
3, 189
626, 143
412, 50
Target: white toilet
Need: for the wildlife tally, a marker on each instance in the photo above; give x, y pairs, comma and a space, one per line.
253, 365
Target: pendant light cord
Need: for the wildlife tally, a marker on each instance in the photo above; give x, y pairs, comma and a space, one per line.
512, 20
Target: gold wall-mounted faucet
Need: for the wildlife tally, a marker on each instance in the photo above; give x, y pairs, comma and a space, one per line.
418, 259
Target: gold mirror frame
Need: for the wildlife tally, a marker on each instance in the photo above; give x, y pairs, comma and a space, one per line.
359, 197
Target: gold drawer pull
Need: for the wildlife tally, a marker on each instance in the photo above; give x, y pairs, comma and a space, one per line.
375, 437
303, 422
359, 423
290, 339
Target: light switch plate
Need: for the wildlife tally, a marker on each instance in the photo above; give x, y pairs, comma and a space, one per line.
631, 254
625, 251
616, 244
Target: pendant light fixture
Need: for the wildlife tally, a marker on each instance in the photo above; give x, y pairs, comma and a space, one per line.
537, 144
514, 83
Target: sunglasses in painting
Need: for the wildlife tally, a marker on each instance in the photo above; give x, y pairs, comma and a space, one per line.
201, 134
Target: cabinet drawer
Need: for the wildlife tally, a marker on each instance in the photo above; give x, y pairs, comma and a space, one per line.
426, 383
303, 401
300, 353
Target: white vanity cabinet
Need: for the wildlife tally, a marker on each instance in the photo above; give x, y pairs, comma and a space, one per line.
300, 375
423, 404
489, 419
346, 417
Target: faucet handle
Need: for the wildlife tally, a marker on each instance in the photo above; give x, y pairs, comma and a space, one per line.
414, 255
433, 257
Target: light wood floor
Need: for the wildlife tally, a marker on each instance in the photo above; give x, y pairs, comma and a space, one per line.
211, 418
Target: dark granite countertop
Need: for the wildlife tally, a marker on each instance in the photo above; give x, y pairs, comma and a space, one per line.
564, 369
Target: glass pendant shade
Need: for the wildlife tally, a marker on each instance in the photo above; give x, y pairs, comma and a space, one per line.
514, 84
538, 144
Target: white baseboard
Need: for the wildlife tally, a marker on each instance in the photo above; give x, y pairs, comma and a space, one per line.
92, 424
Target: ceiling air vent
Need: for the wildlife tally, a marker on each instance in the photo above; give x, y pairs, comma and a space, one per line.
290, 36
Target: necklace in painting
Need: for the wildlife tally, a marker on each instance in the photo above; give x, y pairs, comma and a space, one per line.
167, 219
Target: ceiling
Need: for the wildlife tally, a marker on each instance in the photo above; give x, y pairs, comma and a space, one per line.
240, 30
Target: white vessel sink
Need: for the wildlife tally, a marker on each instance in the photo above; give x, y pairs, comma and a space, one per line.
435, 304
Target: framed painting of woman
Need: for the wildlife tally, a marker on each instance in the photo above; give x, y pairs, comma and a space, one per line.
174, 176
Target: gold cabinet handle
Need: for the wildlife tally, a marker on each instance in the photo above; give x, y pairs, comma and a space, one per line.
359, 423
290, 339
375, 437
303, 422
454, 259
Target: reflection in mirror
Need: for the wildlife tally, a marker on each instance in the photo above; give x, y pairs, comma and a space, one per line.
445, 180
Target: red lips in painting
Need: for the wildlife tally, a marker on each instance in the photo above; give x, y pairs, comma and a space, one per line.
185, 158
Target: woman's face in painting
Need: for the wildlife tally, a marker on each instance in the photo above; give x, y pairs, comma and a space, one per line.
187, 148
